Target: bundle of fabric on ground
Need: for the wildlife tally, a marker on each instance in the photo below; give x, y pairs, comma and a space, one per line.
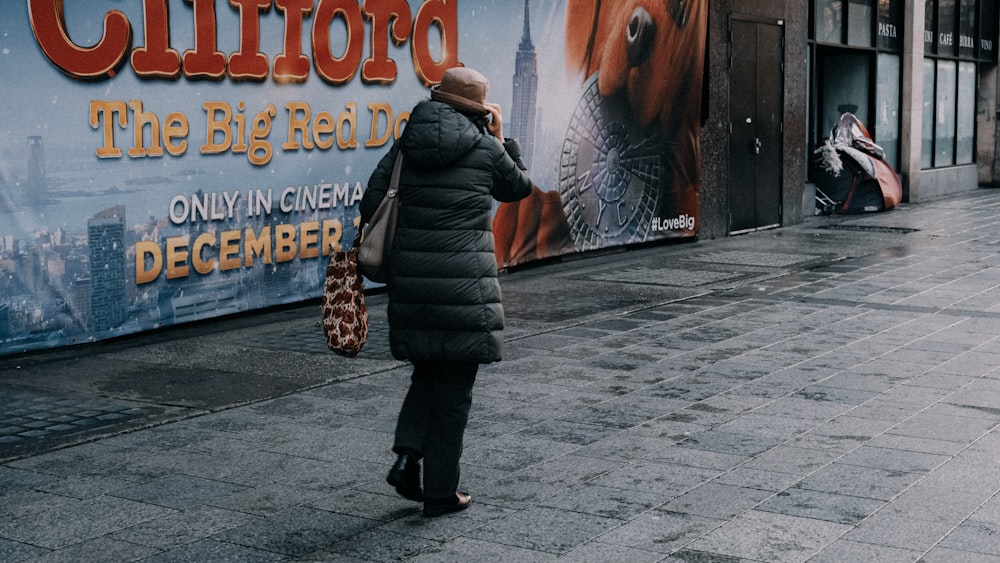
853, 175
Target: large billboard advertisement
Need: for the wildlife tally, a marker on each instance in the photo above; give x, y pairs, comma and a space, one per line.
164, 161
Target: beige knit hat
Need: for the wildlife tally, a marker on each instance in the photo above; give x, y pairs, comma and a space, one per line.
464, 89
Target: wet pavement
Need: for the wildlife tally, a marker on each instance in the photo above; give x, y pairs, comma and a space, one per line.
823, 392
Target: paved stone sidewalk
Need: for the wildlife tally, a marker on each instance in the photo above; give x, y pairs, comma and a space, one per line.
827, 393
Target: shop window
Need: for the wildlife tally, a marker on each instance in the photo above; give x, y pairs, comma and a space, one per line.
859, 26
966, 120
842, 22
927, 134
830, 21
857, 50
963, 32
886, 125
947, 42
890, 25
967, 30
987, 32
845, 87
944, 113
930, 27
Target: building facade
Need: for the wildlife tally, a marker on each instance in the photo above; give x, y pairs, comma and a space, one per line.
920, 75
106, 239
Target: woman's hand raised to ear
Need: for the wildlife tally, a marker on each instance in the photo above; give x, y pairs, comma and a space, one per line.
495, 127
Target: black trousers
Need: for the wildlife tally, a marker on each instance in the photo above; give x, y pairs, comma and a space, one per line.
432, 421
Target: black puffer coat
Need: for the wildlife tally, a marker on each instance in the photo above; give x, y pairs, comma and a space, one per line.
444, 295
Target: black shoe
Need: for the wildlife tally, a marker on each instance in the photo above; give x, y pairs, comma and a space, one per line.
438, 507
405, 476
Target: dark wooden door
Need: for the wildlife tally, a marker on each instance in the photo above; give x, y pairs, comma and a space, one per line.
756, 108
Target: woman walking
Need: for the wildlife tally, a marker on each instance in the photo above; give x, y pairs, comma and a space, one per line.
445, 314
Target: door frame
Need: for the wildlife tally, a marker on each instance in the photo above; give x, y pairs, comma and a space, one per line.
780, 24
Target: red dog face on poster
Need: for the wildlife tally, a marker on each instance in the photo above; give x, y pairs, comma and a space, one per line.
654, 52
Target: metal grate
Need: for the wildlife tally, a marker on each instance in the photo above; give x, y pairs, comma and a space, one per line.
869, 229
762, 259
671, 276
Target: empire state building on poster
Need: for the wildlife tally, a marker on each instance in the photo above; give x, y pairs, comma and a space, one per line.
523, 112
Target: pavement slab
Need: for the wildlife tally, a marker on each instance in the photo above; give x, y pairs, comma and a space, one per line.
764, 536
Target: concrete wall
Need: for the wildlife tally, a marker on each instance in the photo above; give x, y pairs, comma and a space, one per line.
911, 109
941, 182
715, 131
986, 125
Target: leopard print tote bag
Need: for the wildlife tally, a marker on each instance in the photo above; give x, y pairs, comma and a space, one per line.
345, 317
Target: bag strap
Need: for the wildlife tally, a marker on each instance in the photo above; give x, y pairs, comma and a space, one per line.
397, 165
